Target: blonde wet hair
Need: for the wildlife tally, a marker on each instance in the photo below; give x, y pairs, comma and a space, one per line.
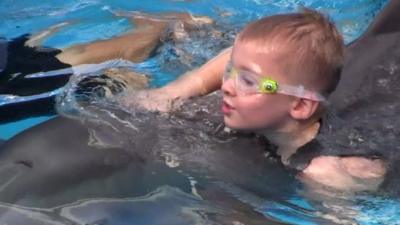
306, 45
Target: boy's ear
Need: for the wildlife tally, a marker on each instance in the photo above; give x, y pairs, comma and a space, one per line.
303, 108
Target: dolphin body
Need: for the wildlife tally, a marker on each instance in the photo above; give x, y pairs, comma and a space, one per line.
65, 164
362, 117
115, 156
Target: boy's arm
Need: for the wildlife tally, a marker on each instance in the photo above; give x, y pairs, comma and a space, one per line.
201, 81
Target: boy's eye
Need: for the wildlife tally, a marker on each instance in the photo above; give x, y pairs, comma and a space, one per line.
247, 80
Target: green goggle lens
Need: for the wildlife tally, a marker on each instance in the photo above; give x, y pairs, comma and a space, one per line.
268, 86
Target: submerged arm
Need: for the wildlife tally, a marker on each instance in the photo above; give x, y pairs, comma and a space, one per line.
135, 46
346, 173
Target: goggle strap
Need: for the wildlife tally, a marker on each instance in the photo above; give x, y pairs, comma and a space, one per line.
301, 92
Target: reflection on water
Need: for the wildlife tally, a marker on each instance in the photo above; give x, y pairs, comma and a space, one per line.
354, 208
170, 205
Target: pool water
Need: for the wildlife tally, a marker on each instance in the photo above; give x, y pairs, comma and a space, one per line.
10, 129
92, 20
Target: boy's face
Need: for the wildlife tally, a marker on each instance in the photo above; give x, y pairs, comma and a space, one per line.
256, 110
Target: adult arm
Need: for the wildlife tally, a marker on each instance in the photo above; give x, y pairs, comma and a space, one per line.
136, 46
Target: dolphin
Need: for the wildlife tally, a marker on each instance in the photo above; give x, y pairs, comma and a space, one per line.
120, 156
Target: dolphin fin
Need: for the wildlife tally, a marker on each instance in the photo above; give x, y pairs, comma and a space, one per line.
387, 21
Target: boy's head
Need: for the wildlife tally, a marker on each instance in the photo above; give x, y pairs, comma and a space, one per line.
297, 57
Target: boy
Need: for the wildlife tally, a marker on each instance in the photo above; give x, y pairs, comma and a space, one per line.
275, 82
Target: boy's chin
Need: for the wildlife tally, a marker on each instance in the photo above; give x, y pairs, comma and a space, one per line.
244, 127
236, 126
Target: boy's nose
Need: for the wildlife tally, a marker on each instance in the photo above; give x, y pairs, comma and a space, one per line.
228, 87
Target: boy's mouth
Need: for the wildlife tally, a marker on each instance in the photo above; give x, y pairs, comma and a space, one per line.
226, 108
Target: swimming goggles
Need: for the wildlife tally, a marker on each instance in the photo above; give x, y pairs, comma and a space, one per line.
247, 83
